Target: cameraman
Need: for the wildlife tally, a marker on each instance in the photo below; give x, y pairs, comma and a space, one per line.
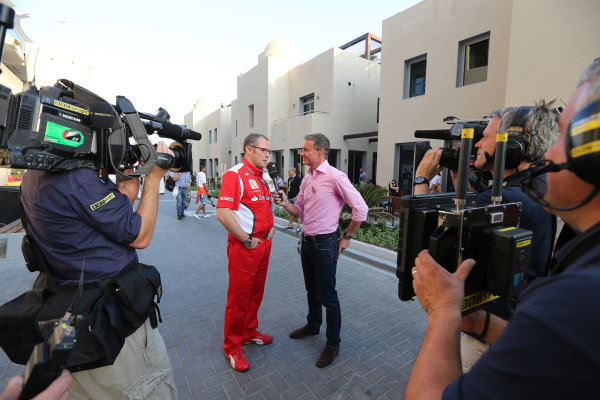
87, 228
534, 130
549, 349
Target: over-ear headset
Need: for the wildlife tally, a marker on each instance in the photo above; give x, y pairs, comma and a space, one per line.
583, 143
516, 147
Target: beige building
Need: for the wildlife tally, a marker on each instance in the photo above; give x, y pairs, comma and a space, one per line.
336, 93
466, 58
214, 150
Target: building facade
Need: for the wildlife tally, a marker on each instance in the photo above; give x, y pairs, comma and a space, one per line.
336, 93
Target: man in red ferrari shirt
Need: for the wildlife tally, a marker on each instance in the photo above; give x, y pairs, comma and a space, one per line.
244, 209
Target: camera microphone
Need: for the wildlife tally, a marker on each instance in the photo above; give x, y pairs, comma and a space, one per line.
176, 132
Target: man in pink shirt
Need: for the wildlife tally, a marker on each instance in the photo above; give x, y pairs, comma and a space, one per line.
322, 195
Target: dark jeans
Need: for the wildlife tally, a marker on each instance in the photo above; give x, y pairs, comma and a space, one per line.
319, 263
181, 195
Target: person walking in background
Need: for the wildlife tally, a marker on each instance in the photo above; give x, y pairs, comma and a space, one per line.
294, 182
183, 182
323, 193
244, 209
202, 193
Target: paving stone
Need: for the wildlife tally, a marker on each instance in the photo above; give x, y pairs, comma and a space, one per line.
381, 335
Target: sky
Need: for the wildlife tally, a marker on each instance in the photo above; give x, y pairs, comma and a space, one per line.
171, 53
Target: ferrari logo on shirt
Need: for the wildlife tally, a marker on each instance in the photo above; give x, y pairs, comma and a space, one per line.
253, 184
102, 202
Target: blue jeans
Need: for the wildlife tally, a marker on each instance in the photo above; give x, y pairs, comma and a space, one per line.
319, 264
181, 195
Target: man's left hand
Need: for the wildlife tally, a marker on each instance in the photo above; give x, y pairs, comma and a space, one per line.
343, 245
271, 234
438, 290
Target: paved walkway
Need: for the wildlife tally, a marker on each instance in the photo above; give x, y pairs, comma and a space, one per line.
380, 334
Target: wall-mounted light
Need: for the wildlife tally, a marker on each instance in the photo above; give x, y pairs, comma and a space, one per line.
293, 105
318, 97
351, 84
345, 160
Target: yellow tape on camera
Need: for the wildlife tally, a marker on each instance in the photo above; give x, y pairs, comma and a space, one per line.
467, 133
502, 137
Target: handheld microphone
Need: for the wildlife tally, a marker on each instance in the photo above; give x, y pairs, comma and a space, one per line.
273, 174
272, 171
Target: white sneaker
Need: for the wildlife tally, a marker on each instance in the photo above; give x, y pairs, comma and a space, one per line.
206, 216
196, 216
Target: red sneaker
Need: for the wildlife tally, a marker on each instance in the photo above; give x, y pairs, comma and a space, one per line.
260, 338
238, 361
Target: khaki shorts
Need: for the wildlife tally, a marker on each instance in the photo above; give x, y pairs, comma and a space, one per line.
141, 371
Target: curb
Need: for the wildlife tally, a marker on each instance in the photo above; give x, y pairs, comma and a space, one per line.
375, 256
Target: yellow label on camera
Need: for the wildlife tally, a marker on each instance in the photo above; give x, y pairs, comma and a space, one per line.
502, 137
467, 133
477, 299
523, 243
71, 107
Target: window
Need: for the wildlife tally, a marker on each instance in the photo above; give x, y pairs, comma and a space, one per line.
215, 135
209, 137
414, 76
251, 116
307, 104
473, 60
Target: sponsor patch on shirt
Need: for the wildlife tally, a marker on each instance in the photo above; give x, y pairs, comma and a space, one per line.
102, 202
254, 198
253, 184
226, 198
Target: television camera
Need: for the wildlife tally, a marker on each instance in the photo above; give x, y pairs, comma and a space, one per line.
454, 227
66, 126
451, 137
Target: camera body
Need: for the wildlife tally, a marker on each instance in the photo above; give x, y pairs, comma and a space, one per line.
486, 233
451, 151
65, 126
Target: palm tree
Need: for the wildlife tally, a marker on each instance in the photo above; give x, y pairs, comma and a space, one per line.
373, 196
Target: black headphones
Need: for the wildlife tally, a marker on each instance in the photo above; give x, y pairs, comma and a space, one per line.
516, 147
583, 143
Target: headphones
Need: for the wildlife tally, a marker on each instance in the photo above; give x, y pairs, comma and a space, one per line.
583, 143
516, 147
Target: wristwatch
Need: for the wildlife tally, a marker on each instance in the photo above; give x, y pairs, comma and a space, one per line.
348, 236
248, 242
420, 179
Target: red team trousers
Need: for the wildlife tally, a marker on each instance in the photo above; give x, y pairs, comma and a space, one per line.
247, 275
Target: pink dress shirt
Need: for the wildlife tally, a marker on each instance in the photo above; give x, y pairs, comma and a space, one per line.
322, 195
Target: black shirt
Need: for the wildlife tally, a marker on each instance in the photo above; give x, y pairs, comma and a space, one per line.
294, 186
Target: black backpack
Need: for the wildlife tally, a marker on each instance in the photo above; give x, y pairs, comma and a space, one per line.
170, 183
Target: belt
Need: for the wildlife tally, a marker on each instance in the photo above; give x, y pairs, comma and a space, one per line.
312, 238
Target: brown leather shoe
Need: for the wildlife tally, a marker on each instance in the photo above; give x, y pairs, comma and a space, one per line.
327, 356
302, 333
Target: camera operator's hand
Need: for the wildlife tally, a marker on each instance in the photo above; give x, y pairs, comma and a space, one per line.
56, 391
161, 147
428, 168
430, 164
439, 291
